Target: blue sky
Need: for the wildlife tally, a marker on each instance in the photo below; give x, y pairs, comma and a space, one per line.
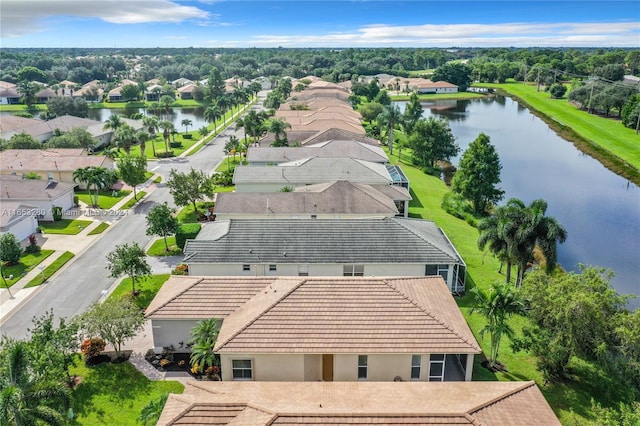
302, 23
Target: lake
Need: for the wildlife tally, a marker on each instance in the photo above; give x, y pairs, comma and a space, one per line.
175, 115
599, 209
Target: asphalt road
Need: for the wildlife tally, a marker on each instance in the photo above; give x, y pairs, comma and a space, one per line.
82, 283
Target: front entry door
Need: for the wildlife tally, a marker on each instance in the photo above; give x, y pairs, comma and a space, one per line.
327, 368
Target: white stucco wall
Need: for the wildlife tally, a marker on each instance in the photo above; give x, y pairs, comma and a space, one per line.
171, 332
23, 227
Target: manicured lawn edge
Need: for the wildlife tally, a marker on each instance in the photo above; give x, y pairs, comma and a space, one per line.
99, 229
133, 201
64, 226
105, 199
148, 287
158, 247
51, 269
20, 270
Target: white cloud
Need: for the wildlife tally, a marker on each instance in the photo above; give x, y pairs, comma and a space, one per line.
474, 35
19, 17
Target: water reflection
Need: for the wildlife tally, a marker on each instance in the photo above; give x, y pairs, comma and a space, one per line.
600, 209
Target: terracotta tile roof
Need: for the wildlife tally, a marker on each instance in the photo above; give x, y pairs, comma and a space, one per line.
184, 297
334, 133
64, 160
330, 198
349, 315
339, 403
302, 117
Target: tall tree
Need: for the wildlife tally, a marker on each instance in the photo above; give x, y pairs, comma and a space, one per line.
161, 222
132, 170
113, 122
94, 177
431, 141
124, 138
167, 127
189, 188
278, 127
389, 117
412, 113
455, 73
129, 260
186, 123
211, 115
25, 400
478, 174
497, 305
27, 91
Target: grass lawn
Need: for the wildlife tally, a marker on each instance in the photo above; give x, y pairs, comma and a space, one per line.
598, 136
99, 229
571, 400
187, 215
133, 201
64, 226
158, 247
106, 199
114, 394
51, 269
27, 263
148, 288
158, 179
229, 162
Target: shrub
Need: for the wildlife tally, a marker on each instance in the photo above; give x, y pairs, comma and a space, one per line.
92, 347
176, 144
187, 136
57, 213
457, 206
33, 246
224, 178
76, 200
185, 232
181, 269
165, 154
10, 249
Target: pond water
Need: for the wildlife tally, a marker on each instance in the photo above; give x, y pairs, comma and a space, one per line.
599, 209
175, 115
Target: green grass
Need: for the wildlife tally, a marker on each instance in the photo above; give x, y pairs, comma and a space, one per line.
229, 162
106, 199
114, 394
148, 288
64, 226
158, 247
158, 179
570, 400
133, 201
187, 215
99, 229
51, 269
27, 263
606, 139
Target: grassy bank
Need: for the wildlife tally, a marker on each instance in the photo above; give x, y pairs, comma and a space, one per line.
605, 139
571, 400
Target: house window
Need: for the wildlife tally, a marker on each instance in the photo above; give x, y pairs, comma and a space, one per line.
436, 368
416, 361
246, 267
353, 270
442, 270
241, 369
363, 360
272, 268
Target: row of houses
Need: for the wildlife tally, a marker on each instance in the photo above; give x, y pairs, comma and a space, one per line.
333, 307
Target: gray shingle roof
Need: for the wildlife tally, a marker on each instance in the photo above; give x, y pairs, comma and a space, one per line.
31, 189
388, 240
329, 149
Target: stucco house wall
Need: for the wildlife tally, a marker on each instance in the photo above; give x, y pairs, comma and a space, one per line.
171, 332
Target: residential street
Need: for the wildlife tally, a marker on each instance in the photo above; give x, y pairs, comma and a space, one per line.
83, 282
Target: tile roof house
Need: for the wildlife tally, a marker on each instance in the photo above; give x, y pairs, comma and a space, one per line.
359, 403
9, 94
18, 218
42, 195
325, 328
332, 200
58, 164
429, 86
329, 149
309, 171
328, 247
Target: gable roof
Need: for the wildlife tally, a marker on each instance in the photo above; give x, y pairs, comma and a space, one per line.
364, 403
335, 133
61, 159
314, 170
363, 241
339, 197
186, 297
32, 189
327, 149
348, 315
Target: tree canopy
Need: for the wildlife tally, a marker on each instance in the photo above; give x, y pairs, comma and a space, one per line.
432, 140
190, 187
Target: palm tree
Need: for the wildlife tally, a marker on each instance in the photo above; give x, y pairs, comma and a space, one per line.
114, 122
186, 123
125, 137
25, 400
28, 92
142, 137
152, 124
489, 235
278, 127
167, 128
203, 338
94, 177
211, 115
500, 303
240, 124
390, 116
